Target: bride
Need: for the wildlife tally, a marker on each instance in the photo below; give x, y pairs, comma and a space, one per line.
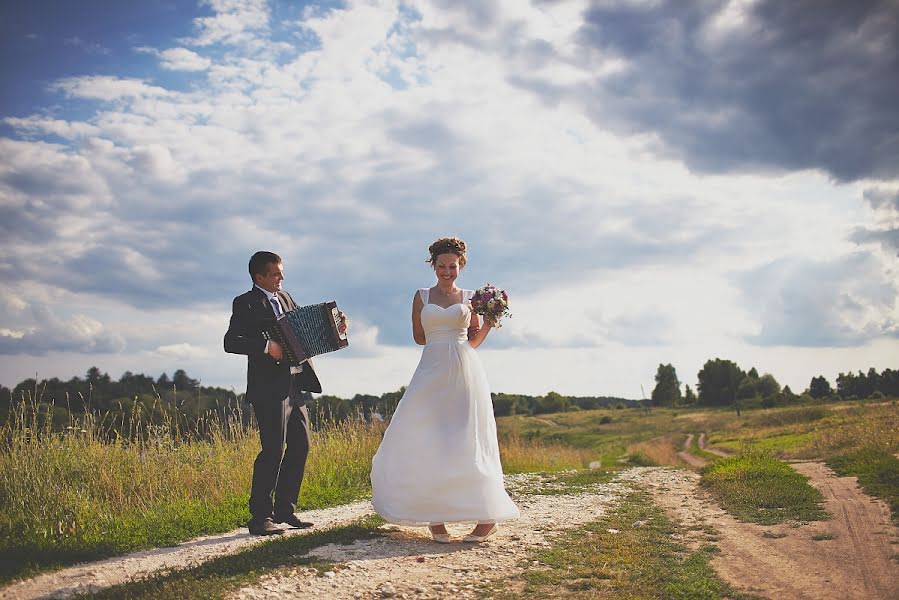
439, 460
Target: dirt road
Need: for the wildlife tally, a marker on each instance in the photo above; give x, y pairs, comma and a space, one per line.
852, 557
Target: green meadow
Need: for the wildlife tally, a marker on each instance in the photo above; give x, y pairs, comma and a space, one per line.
85, 492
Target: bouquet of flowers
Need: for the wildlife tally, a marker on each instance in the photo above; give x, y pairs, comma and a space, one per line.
491, 302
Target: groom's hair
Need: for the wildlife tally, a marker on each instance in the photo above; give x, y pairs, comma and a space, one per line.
260, 261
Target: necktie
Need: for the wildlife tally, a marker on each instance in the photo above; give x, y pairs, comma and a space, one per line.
276, 305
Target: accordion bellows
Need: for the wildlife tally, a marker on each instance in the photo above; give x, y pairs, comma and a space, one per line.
308, 331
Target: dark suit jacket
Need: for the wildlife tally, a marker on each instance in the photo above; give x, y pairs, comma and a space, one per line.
251, 314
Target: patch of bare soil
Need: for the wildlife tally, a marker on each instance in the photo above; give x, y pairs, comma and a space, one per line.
687, 457
406, 563
703, 445
848, 557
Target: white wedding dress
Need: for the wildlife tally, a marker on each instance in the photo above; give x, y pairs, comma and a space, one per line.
439, 459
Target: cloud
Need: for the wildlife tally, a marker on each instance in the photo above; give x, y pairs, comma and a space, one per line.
107, 88
838, 303
181, 352
178, 59
37, 125
884, 204
233, 22
749, 87
52, 333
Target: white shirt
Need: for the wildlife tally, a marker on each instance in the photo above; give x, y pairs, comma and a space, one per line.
270, 296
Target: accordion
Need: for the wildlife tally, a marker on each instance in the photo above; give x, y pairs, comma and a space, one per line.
308, 331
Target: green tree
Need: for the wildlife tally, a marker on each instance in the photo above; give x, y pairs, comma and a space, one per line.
718, 382
551, 403
767, 386
667, 389
183, 382
689, 396
504, 404
819, 388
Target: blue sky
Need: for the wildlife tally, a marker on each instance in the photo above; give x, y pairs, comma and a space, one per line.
652, 182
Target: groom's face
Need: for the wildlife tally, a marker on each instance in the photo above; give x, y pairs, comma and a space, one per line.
272, 278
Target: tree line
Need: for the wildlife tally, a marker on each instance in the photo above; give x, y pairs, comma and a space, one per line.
369, 407
184, 404
179, 401
722, 382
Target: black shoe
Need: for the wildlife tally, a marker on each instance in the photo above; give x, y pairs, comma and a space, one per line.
293, 520
264, 527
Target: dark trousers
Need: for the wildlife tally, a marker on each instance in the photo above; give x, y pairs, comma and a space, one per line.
279, 467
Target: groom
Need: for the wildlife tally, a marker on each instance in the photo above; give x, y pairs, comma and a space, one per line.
277, 393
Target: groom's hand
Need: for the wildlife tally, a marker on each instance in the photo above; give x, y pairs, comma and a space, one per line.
275, 350
344, 322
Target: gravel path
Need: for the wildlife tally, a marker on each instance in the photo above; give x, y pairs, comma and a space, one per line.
406, 563
98, 575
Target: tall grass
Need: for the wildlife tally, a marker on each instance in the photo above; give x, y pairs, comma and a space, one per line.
104, 486
657, 451
859, 427
94, 490
520, 455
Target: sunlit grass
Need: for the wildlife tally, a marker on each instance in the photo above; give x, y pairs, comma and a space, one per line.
661, 450
877, 471
758, 488
519, 455
86, 492
611, 558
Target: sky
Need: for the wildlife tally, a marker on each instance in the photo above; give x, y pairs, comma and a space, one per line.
652, 182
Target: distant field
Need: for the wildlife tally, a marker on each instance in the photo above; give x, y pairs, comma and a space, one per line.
615, 436
858, 438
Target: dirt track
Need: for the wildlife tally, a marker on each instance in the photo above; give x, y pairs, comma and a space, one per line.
784, 561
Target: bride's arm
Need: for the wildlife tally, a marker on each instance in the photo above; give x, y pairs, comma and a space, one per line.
418, 332
476, 333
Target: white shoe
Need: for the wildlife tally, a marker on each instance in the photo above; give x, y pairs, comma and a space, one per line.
480, 538
443, 538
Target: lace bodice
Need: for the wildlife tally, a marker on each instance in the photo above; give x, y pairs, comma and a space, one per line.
445, 324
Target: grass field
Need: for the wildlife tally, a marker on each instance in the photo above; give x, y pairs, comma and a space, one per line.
82, 494
855, 438
611, 558
74, 495
758, 488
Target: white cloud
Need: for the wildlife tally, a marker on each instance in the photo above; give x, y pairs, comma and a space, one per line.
182, 59
41, 125
182, 352
103, 87
233, 22
177, 59
50, 332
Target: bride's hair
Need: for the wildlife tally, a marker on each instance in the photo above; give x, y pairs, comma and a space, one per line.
447, 245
